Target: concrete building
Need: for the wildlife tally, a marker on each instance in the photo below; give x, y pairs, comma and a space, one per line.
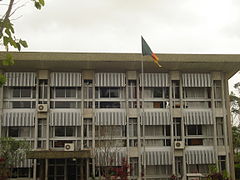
84, 112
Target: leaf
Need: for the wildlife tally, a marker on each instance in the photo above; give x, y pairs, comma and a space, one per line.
42, 2
8, 61
5, 41
23, 43
8, 32
12, 42
2, 79
37, 5
18, 46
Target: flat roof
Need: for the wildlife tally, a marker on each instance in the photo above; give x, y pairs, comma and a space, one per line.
74, 61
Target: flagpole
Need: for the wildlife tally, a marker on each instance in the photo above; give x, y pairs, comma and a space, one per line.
143, 120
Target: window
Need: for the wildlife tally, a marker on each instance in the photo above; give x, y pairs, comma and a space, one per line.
65, 92
159, 170
134, 166
23, 104
222, 163
14, 132
132, 127
161, 92
175, 89
23, 92
110, 131
177, 126
132, 89
194, 129
19, 132
87, 127
64, 131
157, 130
109, 92
65, 104
22, 173
111, 104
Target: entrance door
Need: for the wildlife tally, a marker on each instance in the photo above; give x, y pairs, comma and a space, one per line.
67, 169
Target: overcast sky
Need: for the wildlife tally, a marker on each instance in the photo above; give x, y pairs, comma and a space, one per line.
169, 26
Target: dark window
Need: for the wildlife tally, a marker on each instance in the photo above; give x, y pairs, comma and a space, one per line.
64, 131
194, 129
22, 92
23, 104
14, 132
59, 131
107, 92
109, 104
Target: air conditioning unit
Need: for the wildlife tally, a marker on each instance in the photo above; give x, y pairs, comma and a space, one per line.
68, 147
42, 108
179, 145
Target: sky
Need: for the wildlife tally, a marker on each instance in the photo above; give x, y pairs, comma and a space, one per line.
169, 26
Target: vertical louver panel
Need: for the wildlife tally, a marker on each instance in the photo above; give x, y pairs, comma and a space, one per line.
158, 158
155, 118
204, 156
192, 117
196, 80
154, 80
26, 163
110, 79
58, 118
26, 79
108, 158
110, 118
18, 118
65, 79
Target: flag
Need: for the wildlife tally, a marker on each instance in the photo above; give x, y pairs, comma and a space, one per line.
146, 51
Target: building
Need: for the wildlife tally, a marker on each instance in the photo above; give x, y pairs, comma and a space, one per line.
84, 112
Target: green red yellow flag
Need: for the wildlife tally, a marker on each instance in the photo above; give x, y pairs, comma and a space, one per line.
146, 51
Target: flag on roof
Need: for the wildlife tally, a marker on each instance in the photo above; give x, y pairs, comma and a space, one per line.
146, 51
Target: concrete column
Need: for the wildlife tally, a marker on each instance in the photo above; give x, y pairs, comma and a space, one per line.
1, 104
184, 177
46, 169
214, 124
229, 130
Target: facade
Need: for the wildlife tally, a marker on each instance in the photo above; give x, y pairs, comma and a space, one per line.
85, 112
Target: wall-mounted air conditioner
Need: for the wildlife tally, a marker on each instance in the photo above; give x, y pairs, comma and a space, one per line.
179, 145
68, 147
42, 108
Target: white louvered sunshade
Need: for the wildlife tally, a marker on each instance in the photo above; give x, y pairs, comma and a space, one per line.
196, 79
204, 156
155, 118
192, 117
18, 118
26, 79
26, 163
158, 158
154, 79
110, 79
110, 118
108, 158
59, 118
65, 79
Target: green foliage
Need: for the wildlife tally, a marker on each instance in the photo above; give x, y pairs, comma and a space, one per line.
12, 152
214, 174
2, 79
236, 137
39, 3
8, 38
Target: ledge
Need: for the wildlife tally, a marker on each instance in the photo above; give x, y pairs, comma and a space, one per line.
38, 154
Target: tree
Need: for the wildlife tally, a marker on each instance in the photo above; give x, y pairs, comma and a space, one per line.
7, 31
106, 152
12, 152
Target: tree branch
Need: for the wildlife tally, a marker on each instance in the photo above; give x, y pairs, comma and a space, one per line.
6, 17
